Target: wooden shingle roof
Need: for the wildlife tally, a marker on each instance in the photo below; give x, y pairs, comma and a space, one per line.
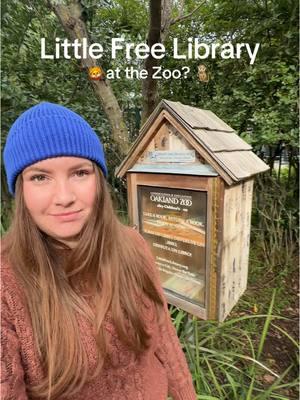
222, 148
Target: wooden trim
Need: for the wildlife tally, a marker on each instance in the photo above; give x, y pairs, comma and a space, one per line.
220, 229
185, 305
129, 178
212, 251
138, 146
197, 146
177, 182
208, 244
172, 181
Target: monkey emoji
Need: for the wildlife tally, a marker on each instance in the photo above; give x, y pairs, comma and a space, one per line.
96, 74
202, 73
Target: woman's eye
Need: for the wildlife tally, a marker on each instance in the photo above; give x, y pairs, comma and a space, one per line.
38, 178
80, 173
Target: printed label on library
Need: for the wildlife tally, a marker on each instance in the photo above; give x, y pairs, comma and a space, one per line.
173, 222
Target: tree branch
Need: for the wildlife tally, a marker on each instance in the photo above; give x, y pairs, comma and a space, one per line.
165, 19
186, 16
70, 17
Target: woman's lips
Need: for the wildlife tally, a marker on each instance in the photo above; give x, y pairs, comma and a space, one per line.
68, 216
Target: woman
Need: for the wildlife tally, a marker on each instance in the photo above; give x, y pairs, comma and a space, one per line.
83, 312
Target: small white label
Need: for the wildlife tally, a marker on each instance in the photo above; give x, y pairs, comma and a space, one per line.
183, 156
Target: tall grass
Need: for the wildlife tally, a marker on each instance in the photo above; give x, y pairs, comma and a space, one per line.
275, 223
226, 360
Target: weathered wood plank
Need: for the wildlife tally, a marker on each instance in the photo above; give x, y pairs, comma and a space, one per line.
241, 164
212, 248
235, 250
132, 200
198, 118
221, 141
172, 181
178, 169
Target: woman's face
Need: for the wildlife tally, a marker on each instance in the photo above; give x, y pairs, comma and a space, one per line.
59, 194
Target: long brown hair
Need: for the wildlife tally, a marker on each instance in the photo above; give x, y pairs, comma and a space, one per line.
105, 268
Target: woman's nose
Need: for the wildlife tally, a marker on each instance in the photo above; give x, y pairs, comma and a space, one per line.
64, 194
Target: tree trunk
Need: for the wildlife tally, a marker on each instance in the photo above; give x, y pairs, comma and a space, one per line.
70, 17
166, 19
159, 27
149, 86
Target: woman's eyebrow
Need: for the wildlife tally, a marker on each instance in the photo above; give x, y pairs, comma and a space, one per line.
35, 169
82, 165
46, 171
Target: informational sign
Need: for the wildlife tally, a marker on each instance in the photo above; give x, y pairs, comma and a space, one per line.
173, 221
182, 156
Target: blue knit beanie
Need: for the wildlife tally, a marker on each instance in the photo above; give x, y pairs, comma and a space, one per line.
49, 130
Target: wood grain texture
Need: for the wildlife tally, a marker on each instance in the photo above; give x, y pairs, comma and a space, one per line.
235, 245
198, 118
172, 181
212, 240
241, 164
220, 141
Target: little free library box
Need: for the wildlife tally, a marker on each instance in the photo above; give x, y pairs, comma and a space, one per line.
190, 181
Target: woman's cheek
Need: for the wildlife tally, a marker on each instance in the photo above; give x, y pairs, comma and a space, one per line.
88, 190
36, 198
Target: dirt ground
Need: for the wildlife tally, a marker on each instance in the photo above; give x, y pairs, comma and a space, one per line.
279, 351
